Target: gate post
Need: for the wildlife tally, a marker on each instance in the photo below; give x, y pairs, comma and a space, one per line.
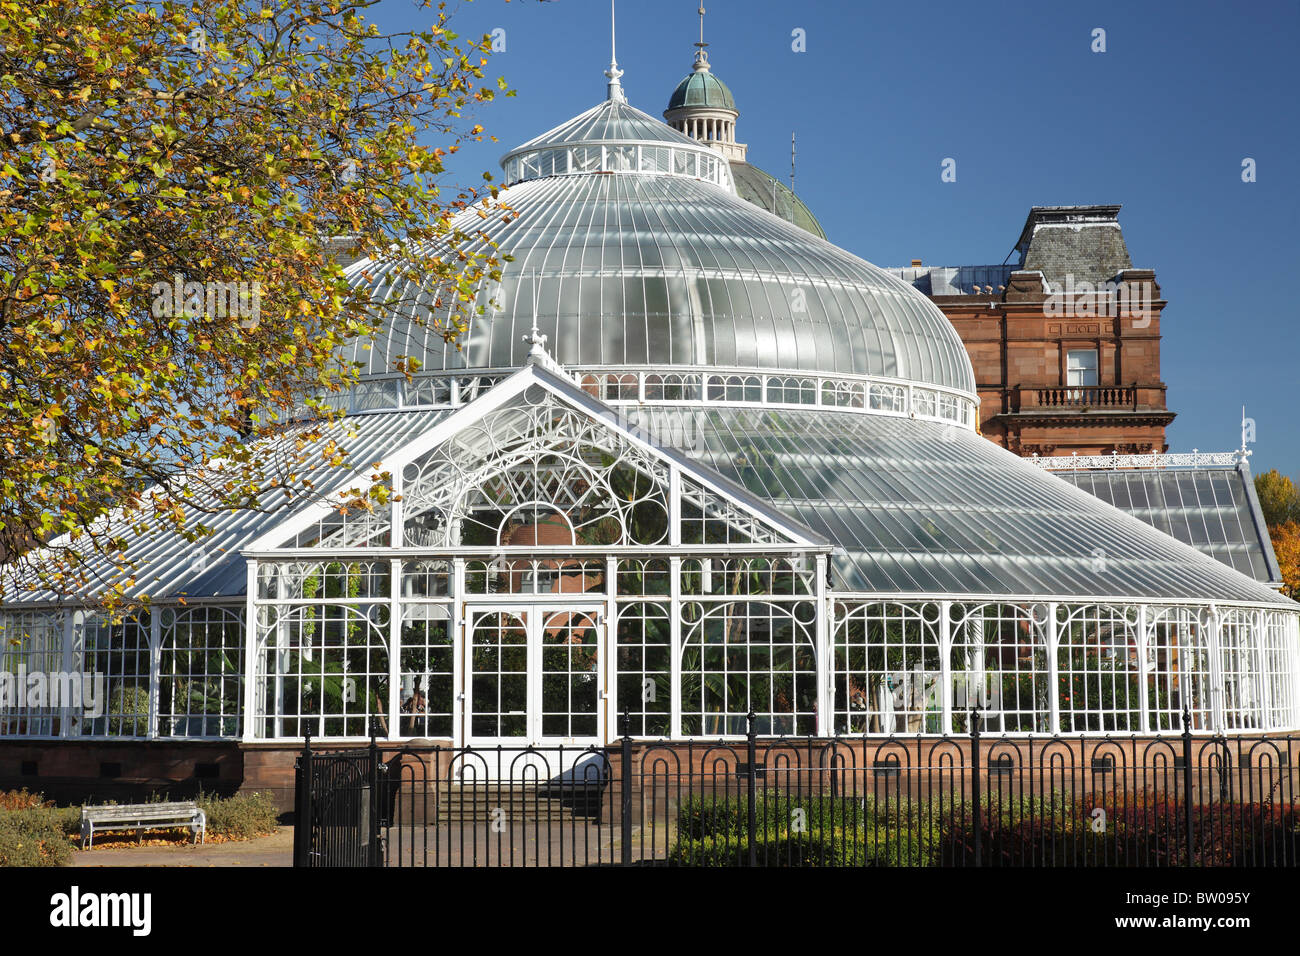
625, 773
302, 805
1187, 783
373, 846
751, 754
977, 812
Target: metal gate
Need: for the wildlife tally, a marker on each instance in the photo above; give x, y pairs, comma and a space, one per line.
341, 808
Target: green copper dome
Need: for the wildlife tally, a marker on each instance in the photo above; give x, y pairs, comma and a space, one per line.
767, 192
702, 88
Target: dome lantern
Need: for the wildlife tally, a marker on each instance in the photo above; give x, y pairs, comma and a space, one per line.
703, 108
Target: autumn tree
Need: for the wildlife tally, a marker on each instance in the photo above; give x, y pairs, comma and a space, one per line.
1278, 498
1280, 502
1286, 545
155, 153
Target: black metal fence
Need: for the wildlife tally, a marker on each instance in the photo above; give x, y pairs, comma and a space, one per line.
952, 801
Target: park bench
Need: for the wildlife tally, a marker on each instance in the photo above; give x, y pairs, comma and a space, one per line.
141, 817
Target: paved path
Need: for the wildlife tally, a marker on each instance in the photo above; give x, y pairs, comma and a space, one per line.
273, 850
455, 845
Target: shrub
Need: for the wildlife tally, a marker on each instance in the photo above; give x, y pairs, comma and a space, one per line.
832, 848
21, 800
32, 838
241, 817
32, 811
699, 817
1147, 829
831, 831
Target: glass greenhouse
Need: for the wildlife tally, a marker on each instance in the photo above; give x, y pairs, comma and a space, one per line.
690, 462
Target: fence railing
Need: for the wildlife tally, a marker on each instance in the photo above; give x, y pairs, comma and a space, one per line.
847, 801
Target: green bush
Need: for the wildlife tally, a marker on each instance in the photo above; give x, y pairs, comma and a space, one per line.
32, 838
834, 848
32, 811
241, 817
699, 817
802, 830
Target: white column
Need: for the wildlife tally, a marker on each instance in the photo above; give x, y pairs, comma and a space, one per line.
394, 644
1216, 673
945, 665
155, 667
608, 638
825, 629
459, 652
1053, 678
73, 666
250, 652
674, 506
1262, 680
976, 664
675, 630
1142, 640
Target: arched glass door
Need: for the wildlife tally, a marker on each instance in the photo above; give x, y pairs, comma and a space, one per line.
534, 674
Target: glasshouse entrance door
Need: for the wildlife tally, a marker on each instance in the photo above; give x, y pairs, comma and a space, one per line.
534, 675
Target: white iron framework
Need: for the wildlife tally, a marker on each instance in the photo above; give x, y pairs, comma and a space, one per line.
544, 566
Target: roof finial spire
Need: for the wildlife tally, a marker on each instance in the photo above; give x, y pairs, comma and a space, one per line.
792, 161
701, 55
534, 336
615, 88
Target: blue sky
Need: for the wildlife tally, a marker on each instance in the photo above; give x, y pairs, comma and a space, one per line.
1160, 122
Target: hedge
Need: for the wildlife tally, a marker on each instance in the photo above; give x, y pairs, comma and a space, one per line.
836, 848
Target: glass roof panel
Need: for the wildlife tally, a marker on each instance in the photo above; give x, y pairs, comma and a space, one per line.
1208, 507
916, 507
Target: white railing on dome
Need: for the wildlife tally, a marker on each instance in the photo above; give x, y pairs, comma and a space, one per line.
679, 386
654, 158
1195, 459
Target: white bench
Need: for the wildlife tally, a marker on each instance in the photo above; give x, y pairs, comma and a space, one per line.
141, 817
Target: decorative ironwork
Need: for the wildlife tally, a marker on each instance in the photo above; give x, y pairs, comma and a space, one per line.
849, 801
1117, 461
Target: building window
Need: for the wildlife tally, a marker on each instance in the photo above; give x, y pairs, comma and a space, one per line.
1081, 368
999, 662
887, 671
201, 672
1098, 677
743, 656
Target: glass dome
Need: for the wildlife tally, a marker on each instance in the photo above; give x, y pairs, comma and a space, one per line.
630, 247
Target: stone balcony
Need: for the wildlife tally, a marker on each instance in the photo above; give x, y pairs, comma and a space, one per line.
1080, 399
